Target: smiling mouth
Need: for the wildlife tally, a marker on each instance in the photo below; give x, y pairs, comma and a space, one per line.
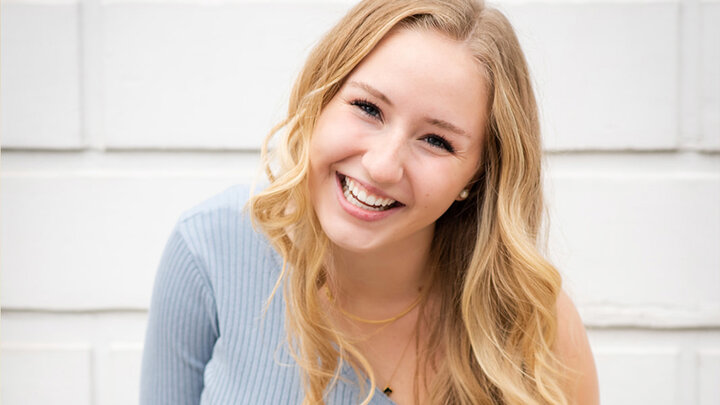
360, 197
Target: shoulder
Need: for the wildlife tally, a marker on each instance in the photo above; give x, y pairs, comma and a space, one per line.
229, 201
573, 350
221, 213
220, 225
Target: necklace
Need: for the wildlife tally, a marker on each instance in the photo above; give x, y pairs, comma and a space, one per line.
387, 391
373, 321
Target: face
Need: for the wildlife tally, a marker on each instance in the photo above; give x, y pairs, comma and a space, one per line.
398, 143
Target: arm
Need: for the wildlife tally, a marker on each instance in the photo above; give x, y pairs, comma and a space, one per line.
182, 329
573, 349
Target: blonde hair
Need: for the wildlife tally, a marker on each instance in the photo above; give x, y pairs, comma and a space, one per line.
499, 291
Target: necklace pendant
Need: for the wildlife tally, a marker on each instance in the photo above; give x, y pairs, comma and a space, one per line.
387, 391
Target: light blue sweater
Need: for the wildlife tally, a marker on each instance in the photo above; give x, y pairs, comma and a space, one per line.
207, 341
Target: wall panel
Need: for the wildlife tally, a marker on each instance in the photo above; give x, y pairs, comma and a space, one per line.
604, 81
619, 371
41, 75
709, 377
46, 374
203, 75
710, 57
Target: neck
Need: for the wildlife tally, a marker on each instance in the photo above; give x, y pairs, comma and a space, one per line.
382, 282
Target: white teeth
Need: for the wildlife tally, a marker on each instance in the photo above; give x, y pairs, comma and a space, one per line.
360, 197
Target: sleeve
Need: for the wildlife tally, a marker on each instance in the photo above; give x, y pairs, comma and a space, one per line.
181, 331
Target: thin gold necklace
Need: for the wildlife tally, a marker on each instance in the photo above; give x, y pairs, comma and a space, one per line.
387, 391
372, 321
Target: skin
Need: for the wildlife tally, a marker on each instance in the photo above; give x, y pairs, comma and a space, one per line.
389, 127
407, 124
573, 349
377, 130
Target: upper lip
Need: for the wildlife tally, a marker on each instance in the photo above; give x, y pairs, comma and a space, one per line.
370, 188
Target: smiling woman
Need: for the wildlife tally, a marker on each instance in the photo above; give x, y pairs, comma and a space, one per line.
403, 212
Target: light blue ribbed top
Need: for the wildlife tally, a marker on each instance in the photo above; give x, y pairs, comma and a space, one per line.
207, 341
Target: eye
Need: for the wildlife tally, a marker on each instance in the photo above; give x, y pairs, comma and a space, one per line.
368, 108
438, 141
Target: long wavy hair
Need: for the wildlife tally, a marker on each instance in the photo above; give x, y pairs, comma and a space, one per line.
498, 293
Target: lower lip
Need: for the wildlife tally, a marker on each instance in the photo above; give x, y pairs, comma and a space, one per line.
358, 212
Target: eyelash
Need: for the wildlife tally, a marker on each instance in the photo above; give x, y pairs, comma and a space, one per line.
371, 110
442, 143
365, 106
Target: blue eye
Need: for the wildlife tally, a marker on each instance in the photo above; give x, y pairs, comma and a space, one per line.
438, 141
368, 108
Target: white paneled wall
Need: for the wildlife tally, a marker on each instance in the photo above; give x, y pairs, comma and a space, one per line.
597, 66
117, 115
638, 236
41, 75
100, 221
25, 367
710, 73
198, 75
708, 363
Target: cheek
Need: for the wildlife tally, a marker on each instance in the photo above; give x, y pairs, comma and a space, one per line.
321, 144
334, 142
440, 183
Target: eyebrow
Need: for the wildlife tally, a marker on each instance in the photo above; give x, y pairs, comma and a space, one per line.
432, 121
445, 125
372, 90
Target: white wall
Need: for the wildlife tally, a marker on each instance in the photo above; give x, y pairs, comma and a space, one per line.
119, 114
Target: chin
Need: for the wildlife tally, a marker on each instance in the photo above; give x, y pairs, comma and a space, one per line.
353, 241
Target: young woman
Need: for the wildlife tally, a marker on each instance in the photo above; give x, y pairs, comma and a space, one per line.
401, 221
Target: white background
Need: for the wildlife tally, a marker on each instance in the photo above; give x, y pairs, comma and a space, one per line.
117, 115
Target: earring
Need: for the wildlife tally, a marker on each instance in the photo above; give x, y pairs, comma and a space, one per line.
463, 194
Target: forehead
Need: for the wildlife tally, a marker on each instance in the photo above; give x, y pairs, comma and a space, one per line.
425, 71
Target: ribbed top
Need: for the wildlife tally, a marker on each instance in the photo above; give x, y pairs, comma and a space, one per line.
207, 340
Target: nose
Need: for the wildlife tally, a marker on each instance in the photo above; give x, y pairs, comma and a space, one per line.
384, 159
